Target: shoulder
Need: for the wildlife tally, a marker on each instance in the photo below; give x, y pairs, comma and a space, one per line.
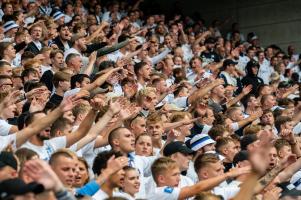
170, 193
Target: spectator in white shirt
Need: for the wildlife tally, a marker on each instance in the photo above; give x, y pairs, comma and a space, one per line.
142, 71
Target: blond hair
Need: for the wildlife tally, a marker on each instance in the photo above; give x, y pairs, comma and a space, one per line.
161, 165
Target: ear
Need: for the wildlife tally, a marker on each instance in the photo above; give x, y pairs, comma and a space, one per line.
161, 178
202, 174
58, 133
80, 117
280, 154
60, 83
116, 142
225, 151
173, 156
77, 84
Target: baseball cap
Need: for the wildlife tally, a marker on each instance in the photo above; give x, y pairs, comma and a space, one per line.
240, 156
210, 40
199, 141
175, 147
228, 62
17, 186
8, 159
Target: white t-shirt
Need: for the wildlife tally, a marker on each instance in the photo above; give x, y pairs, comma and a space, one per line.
101, 195
151, 185
7, 140
143, 165
265, 71
181, 102
191, 172
49, 147
116, 55
297, 129
227, 191
4, 127
165, 193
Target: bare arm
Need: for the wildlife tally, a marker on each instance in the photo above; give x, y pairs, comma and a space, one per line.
96, 33
100, 80
38, 125
247, 188
246, 90
96, 129
289, 171
248, 120
203, 91
264, 181
202, 37
82, 130
210, 183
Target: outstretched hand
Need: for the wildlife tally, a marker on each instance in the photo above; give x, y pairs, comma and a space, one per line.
69, 103
41, 172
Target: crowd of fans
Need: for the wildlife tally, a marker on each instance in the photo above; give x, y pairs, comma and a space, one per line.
99, 100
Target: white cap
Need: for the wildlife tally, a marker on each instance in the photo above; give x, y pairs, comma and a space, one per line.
57, 15
199, 141
10, 25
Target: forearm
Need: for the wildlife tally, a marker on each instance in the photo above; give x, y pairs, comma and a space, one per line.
169, 126
103, 140
156, 59
37, 126
84, 127
107, 50
203, 185
247, 188
289, 171
131, 55
235, 100
98, 82
246, 121
201, 92
89, 69
264, 181
183, 37
296, 148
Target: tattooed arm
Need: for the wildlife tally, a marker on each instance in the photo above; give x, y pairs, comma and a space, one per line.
267, 178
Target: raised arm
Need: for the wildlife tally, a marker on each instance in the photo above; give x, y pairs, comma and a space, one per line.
90, 67
100, 80
210, 183
106, 50
203, 91
156, 59
250, 119
38, 125
99, 126
82, 130
246, 90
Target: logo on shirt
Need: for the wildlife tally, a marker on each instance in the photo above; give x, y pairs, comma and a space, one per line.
168, 190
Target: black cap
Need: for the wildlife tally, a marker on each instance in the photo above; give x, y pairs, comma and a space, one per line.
240, 156
210, 40
175, 147
284, 84
8, 159
228, 62
17, 186
246, 140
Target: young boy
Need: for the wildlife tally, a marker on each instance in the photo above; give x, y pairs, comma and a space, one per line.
166, 174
